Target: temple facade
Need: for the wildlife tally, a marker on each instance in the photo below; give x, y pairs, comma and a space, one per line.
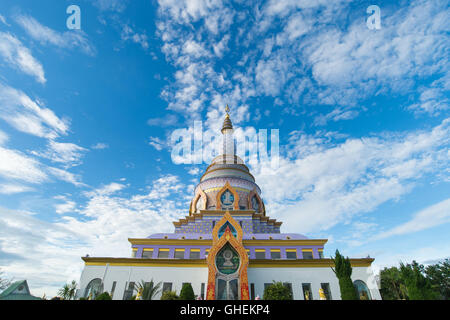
228, 248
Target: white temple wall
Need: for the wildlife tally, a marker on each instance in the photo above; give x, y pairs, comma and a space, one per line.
196, 276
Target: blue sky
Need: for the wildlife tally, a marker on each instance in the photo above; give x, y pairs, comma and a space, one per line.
86, 118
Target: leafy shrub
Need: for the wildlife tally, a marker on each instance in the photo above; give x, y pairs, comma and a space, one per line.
277, 291
169, 295
103, 296
187, 293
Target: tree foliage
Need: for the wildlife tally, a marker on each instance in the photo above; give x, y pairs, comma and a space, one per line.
343, 271
4, 283
104, 296
277, 291
417, 285
187, 293
149, 289
169, 295
392, 285
67, 292
415, 282
439, 276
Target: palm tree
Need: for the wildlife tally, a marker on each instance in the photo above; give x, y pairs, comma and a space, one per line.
73, 289
149, 289
64, 292
67, 292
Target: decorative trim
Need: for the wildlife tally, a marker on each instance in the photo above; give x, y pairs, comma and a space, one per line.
199, 194
218, 244
220, 213
209, 242
305, 263
252, 194
139, 262
201, 263
229, 168
233, 191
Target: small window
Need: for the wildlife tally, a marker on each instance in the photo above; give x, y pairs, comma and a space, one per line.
163, 253
179, 254
307, 292
307, 254
202, 291
133, 253
167, 286
291, 254
289, 286
252, 291
147, 254
326, 290
275, 254
320, 254
260, 254
129, 291
194, 254
113, 288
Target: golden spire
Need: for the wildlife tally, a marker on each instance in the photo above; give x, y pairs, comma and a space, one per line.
227, 122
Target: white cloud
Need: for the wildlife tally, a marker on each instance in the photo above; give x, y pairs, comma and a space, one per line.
166, 121
28, 116
50, 253
432, 216
156, 143
67, 40
139, 38
3, 137
100, 146
14, 188
66, 176
17, 166
68, 154
332, 182
111, 5
13, 52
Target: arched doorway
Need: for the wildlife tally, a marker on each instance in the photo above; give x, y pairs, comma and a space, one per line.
227, 277
94, 287
362, 290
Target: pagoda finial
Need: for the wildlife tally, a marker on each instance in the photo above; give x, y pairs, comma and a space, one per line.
227, 122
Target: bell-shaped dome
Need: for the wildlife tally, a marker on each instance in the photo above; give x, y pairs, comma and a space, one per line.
229, 170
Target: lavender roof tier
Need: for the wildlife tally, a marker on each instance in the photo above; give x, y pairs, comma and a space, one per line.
247, 236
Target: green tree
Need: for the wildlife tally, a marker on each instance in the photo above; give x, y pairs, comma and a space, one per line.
149, 289
187, 293
64, 292
104, 296
392, 285
439, 276
67, 292
4, 283
277, 291
343, 271
169, 295
417, 285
